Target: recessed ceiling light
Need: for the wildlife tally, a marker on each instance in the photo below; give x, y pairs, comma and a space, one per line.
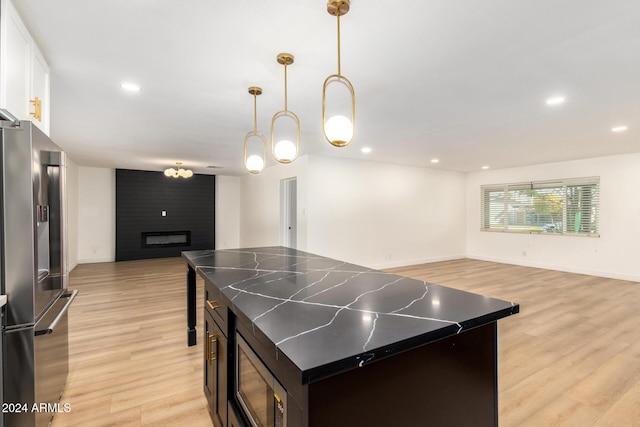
555, 100
366, 149
131, 87
435, 160
485, 167
619, 129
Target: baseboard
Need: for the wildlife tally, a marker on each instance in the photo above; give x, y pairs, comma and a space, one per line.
566, 269
95, 260
405, 263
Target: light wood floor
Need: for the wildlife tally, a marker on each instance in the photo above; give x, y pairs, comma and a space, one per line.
570, 358
129, 363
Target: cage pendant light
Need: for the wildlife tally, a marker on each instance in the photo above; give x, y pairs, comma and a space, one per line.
253, 162
284, 150
338, 129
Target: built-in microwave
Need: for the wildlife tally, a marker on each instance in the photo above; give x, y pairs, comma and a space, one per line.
261, 396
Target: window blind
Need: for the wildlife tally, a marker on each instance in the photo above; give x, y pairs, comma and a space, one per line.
565, 206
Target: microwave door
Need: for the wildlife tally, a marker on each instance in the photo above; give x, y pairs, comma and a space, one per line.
253, 391
259, 393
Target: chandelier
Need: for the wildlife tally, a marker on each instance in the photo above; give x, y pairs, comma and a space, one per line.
178, 173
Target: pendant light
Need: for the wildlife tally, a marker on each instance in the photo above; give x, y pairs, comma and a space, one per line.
285, 151
254, 160
338, 129
178, 173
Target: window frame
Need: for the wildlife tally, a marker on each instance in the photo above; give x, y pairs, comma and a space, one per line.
579, 199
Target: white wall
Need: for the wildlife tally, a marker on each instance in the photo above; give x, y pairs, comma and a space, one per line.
260, 205
614, 254
72, 210
382, 215
96, 215
374, 214
227, 221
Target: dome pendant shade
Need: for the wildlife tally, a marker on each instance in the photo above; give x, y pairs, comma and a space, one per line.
255, 143
285, 150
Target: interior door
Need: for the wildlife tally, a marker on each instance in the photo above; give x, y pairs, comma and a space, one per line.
288, 212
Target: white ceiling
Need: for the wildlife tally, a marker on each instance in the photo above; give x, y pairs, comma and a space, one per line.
463, 81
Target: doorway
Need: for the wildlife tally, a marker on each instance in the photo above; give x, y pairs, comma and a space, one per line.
288, 212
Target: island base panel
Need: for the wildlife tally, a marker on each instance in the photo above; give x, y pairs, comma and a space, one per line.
451, 382
191, 306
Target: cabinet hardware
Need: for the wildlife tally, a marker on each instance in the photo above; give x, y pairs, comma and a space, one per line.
213, 348
37, 108
207, 354
212, 305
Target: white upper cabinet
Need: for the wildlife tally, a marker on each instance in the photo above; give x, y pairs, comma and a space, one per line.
15, 59
39, 90
24, 73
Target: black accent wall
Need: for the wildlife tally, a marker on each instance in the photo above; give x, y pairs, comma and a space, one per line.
141, 196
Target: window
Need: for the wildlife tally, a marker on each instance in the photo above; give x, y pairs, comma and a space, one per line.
568, 206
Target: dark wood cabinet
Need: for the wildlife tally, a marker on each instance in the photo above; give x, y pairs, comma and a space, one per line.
215, 370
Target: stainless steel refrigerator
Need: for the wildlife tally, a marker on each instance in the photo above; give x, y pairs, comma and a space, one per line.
33, 271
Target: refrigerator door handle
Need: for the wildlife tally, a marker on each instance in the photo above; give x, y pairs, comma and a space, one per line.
55, 321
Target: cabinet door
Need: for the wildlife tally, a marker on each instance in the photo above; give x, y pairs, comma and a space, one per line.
40, 89
215, 371
15, 72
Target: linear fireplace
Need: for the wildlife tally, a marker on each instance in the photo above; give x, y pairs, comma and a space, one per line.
165, 239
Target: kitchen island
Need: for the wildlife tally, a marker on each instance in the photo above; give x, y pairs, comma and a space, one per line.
349, 344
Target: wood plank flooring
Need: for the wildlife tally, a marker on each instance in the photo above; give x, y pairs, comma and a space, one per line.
129, 360
570, 358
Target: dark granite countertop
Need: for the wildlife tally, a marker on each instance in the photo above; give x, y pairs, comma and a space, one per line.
327, 316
